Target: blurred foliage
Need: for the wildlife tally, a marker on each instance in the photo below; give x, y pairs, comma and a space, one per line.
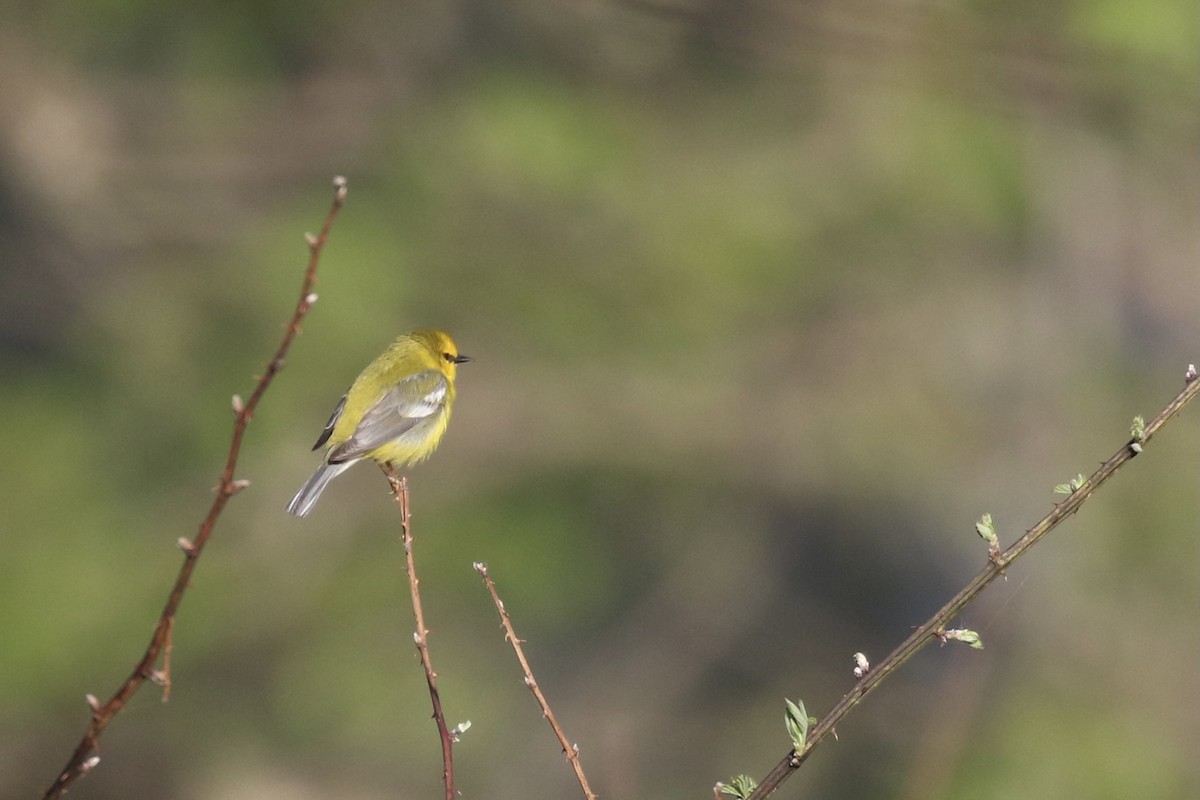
769, 302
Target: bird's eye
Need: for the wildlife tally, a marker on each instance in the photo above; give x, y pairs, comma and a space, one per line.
449, 357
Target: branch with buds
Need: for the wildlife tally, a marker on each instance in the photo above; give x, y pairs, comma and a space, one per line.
806, 738
84, 760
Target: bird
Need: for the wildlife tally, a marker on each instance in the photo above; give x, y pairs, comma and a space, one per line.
395, 412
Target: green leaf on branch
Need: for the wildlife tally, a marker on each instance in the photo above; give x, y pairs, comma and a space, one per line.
797, 721
739, 786
1067, 488
986, 530
966, 636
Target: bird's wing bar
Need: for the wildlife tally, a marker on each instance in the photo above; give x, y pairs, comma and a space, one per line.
401, 408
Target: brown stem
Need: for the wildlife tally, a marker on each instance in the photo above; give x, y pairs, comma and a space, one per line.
571, 752
83, 759
934, 629
421, 637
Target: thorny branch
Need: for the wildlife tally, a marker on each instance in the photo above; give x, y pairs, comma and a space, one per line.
571, 751
935, 628
84, 758
421, 637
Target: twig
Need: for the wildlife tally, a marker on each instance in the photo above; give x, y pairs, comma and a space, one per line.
571, 751
83, 760
421, 637
935, 628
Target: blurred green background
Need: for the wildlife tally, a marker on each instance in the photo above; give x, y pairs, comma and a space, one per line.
769, 301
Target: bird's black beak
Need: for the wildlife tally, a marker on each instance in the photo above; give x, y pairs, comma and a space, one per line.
461, 359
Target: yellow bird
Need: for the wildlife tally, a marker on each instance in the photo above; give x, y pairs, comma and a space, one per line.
395, 412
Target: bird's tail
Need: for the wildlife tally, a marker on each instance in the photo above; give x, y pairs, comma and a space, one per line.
306, 498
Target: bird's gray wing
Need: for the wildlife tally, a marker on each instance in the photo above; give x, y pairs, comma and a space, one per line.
405, 405
333, 418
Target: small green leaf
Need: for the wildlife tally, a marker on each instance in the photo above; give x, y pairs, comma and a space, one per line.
1138, 429
986, 530
967, 637
739, 786
1067, 488
796, 720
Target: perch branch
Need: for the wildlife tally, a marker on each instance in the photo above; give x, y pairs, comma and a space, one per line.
421, 637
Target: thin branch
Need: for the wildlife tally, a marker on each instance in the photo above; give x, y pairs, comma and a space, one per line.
571, 751
83, 760
421, 637
935, 629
